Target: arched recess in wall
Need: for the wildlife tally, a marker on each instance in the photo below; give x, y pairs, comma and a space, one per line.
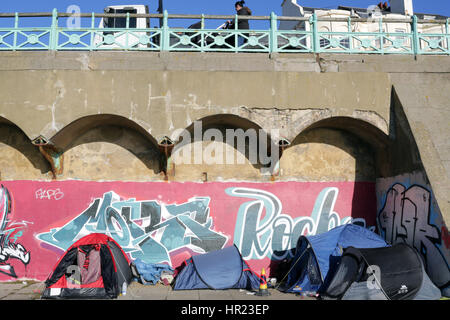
337, 149
19, 158
340, 149
107, 147
221, 147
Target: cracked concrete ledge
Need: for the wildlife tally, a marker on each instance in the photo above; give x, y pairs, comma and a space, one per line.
214, 61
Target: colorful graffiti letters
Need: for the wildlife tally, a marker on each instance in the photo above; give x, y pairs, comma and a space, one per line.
262, 230
146, 230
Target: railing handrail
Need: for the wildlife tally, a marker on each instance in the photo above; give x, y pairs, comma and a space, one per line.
216, 17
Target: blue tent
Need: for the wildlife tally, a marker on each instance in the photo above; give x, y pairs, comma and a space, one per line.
220, 269
317, 256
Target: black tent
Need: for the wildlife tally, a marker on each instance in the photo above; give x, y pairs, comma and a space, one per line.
93, 267
389, 273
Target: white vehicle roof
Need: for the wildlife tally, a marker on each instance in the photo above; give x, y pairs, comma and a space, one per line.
127, 6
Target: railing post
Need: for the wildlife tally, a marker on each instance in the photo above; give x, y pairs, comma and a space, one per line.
236, 35
416, 44
381, 35
165, 36
350, 38
16, 26
91, 45
53, 39
447, 36
127, 29
273, 44
316, 41
202, 34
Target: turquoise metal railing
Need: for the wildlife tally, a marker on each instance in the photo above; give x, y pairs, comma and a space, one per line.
311, 38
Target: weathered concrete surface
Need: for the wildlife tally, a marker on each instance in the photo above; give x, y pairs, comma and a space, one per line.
321, 154
163, 101
100, 154
422, 85
62, 94
128, 84
426, 102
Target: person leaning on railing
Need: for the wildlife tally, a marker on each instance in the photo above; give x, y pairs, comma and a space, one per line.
243, 24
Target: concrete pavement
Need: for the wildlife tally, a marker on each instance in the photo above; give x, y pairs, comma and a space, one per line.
31, 290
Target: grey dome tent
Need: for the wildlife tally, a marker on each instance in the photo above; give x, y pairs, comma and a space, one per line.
219, 270
389, 273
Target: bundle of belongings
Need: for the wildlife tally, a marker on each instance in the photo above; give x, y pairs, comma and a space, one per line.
152, 273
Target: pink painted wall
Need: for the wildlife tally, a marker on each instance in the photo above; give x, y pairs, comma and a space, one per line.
161, 222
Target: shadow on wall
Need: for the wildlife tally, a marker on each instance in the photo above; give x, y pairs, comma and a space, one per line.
329, 153
407, 209
20, 159
222, 146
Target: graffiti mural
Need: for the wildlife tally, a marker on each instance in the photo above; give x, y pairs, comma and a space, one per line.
10, 232
262, 230
408, 215
168, 222
147, 230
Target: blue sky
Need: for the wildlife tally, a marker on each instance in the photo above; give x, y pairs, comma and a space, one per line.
259, 7
222, 7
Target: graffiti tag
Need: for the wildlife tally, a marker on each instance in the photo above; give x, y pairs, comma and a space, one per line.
148, 230
262, 230
405, 217
55, 194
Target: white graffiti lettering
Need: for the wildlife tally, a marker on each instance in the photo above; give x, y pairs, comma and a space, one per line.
49, 194
16, 251
262, 230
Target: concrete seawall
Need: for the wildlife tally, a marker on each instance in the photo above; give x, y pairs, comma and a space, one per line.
369, 131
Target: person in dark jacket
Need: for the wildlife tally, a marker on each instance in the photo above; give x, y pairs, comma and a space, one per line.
243, 24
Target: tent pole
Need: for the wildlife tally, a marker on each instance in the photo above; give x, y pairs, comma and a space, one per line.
291, 268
